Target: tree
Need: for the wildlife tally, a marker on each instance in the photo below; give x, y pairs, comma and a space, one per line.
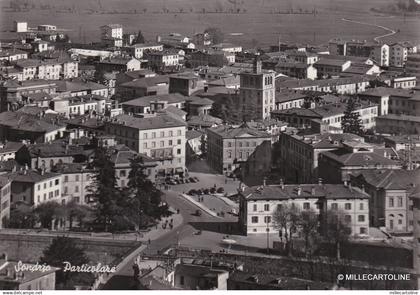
22, 218
77, 212
216, 34
65, 249
308, 225
337, 229
351, 122
103, 190
140, 38
143, 204
286, 221
46, 212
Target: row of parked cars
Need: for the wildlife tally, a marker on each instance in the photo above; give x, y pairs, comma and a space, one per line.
206, 191
175, 181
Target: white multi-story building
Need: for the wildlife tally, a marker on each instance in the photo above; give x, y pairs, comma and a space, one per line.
258, 204
32, 187
138, 50
77, 179
398, 53
52, 69
112, 34
5, 188
412, 66
160, 136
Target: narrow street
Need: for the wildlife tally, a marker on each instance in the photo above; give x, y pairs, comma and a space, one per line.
123, 279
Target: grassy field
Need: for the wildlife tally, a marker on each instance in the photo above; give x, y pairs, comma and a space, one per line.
255, 20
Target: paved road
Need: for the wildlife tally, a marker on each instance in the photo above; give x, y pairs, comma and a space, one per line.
391, 31
123, 279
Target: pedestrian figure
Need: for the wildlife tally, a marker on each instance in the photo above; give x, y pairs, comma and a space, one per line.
136, 270
149, 241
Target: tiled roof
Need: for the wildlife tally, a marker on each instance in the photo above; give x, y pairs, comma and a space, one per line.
392, 179
146, 82
192, 134
121, 155
194, 100
31, 176
11, 146
367, 159
204, 120
289, 191
226, 131
153, 122
145, 101
60, 149
26, 122
76, 85
387, 91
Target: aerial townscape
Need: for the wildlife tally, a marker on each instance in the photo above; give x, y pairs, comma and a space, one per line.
134, 158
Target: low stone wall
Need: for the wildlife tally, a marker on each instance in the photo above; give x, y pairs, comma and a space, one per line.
30, 247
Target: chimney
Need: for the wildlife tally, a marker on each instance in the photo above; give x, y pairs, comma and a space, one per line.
345, 182
265, 181
313, 191
363, 188
299, 191
42, 171
281, 183
320, 181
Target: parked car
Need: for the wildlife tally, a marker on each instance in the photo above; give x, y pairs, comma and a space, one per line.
187, 180
181, 180
192, 192
196, 179
197, 212
192, 179
220, 190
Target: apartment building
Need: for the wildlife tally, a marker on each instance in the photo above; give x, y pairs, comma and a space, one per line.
32, 187
5, 189
160, 59
390, 204
299, 153
77, 179
228, 147
398, 124
140, 49
159, 136
258, 204
330, 114
399, 52
48, 69
412, 66
112, 35
376, 51
337, 166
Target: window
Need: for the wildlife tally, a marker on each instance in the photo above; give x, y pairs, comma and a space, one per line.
400, 221
347, 206
254, 219
334, 206
179, 133
182, 281
363, 230
77, 177
361, 206
153, 144
361, 218
347, 218
66, 179
45, 185
50, 195
391, 202
266, 207
171, 133
39, 187
179, 141
144, 135
306, 205
153, 134
170, 142
178, 151
400, 201
56, 193
162, 134
267, 219
162, 143
122, 173
145, 145
254, 207
65, 190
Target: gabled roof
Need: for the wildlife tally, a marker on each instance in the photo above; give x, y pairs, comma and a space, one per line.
392, 179
53, 149
77, 85
226, 131
291, 191
26, 122
366, 159
31, 176
146, 123
145, 101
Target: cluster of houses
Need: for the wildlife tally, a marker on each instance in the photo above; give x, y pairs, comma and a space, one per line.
272, 119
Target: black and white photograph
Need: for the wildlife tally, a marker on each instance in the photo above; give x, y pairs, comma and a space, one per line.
199, 145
